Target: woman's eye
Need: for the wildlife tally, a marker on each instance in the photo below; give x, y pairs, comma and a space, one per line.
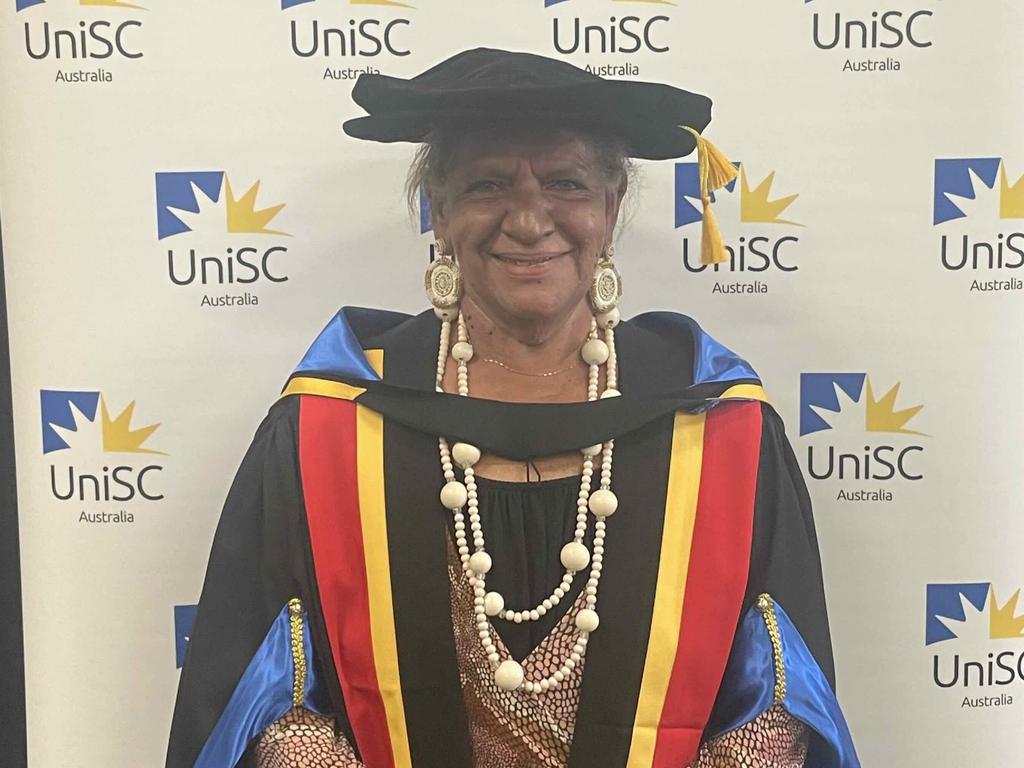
566, 184
483, 185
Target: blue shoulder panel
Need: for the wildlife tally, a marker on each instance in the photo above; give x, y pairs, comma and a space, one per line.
263, 695
748, 689
337, 350
713, 362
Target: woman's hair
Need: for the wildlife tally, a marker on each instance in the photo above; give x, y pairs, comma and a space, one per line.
435, 158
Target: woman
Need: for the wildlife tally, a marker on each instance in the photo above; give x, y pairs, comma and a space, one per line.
380, 586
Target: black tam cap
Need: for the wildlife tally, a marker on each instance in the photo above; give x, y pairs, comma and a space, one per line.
488, 86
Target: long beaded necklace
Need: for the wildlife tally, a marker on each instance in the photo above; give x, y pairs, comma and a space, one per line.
459, 496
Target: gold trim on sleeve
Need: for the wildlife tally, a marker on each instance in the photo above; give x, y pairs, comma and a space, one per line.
298, 651
766, 606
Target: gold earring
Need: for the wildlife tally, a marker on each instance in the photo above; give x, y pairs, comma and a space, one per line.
443, 282
606, 288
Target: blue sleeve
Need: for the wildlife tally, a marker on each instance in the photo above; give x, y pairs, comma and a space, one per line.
771, 665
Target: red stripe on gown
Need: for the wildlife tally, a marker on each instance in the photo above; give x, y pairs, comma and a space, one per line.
717, 579
327, 456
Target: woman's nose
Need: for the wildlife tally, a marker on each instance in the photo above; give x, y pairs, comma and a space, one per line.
528, 218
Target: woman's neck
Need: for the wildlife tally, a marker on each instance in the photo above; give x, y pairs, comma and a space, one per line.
528, 346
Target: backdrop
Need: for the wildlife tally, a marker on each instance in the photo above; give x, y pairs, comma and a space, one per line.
181, 215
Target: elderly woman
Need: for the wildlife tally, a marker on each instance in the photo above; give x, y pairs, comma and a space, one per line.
512, 530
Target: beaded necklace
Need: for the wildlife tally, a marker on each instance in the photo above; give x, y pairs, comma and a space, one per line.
462, 499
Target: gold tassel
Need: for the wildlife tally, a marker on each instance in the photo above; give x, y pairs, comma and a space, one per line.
715, 171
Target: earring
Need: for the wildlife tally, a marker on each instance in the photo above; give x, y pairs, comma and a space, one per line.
443, 282
606, 290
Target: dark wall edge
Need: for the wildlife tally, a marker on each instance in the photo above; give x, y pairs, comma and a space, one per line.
13, 740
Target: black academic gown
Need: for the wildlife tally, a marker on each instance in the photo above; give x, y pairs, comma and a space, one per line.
327, 585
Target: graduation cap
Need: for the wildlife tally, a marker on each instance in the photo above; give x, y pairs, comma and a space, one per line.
486, 86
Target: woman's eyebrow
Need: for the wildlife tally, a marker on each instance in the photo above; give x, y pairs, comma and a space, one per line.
489, 167
574, 160
506, 168
569, 167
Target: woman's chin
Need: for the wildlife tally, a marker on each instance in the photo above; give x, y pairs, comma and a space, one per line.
534, 311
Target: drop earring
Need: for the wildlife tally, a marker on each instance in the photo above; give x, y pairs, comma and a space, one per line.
606, 290
443, 282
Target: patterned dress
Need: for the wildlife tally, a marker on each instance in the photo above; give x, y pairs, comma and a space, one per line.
515, 729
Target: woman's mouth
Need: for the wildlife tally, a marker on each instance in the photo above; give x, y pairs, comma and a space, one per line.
526, 259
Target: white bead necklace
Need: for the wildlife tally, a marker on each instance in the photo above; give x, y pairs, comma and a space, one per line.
476, 563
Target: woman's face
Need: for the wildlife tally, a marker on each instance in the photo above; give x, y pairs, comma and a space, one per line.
527, 220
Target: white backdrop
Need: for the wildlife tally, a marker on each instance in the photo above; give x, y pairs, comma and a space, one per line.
887, 164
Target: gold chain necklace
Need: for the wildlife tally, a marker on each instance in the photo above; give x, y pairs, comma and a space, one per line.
527, 373
572, 364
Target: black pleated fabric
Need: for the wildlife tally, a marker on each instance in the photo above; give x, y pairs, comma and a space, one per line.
784, 558
259, 560
525, 527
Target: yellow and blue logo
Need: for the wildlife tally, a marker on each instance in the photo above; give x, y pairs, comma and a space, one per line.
756, 203
65, 411
20, 5
177, 200
956, 611
820, 395
958, 180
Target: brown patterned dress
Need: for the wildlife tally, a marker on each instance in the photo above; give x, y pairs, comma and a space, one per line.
526, 524
519, 730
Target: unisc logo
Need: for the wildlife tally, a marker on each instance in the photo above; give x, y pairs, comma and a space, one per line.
759, 252
863, 37
616, 31
82, 40
203, 204
978, 235
963, 620
379, 30
79, 424
837, 409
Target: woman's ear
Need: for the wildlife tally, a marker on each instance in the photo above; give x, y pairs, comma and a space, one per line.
438, 218
613, 205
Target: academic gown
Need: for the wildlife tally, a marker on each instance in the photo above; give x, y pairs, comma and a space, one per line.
327, 585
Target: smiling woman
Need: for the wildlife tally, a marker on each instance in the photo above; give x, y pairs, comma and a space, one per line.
409, 572
528, 210
529, 213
